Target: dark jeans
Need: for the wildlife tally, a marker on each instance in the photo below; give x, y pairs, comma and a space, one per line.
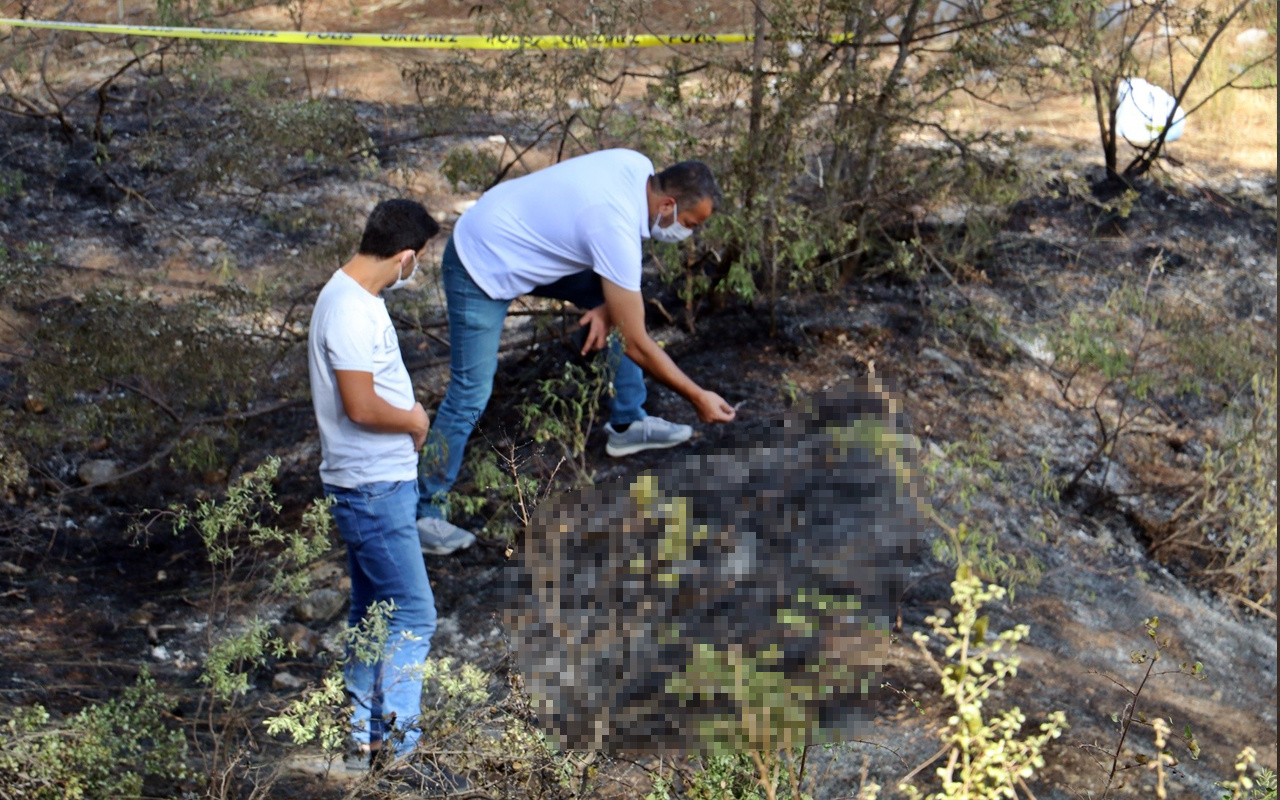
475, 327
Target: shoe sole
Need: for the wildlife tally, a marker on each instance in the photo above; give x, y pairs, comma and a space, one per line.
626, 450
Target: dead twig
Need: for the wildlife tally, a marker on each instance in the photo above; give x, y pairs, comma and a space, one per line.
164, 452
1263, 610
927, 762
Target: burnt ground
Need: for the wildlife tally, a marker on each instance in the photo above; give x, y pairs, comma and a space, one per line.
89, 602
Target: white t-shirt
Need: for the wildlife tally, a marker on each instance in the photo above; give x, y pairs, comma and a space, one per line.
351, 330
589, 212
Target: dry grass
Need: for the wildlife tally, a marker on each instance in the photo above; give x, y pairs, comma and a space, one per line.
1235, 131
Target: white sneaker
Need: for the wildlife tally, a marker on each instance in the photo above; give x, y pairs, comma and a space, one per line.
650, 433
439, 538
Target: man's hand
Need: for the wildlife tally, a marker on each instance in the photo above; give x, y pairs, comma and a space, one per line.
713, 408
419, 433
364, 407
626, 310
596, 321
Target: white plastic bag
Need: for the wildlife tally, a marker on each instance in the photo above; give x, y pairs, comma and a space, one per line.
1143, 111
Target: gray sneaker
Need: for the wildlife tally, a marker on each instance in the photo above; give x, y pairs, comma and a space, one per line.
650, 433
439, 538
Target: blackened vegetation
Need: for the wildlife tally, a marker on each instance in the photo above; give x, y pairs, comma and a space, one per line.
738, 597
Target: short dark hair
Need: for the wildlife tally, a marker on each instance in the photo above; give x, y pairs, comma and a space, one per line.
395, 226
689, 182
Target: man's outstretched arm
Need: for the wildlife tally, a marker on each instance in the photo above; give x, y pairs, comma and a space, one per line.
626, 310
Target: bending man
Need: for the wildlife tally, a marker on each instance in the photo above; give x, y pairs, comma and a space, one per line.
571, 232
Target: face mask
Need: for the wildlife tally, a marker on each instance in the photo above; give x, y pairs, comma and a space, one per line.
673, 233
402, 281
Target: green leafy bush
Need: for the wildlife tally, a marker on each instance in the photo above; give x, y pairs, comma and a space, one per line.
108, 750
986, 755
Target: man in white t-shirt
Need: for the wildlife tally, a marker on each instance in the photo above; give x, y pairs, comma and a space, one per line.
371, 430
572, 232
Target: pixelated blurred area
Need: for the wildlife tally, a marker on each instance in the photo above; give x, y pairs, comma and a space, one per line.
738, 598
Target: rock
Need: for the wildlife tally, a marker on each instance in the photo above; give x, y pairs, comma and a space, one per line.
287, 680
949, 367
304, 641
321, 605
159, 653
325, 571
1252, 37
461, 206
98, 470
210, 244
1037, 348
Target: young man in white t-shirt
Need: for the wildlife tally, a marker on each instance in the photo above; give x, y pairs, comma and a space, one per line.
371, 430
573, 232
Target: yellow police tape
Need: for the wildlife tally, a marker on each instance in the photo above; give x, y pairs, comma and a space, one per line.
437, 41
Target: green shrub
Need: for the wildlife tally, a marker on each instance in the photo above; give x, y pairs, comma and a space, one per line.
237, 542
323, 712
469, 169
986, 755
108, 750
566, 409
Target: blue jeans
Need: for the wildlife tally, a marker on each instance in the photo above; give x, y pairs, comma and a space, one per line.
378, 523
475, 327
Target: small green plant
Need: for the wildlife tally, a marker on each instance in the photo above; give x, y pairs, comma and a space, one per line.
13, 470
1230, 514
747, 775
1103, 365
969, 467
1123, 760
982, 550
322, 713
987, 756
11, 183
29, 273
107, 750
790, 389
567, 409
963, 472
509, 484
245, 553
1243, 787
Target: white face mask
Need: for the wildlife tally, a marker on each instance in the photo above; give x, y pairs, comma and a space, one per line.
402, 281
673, 233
